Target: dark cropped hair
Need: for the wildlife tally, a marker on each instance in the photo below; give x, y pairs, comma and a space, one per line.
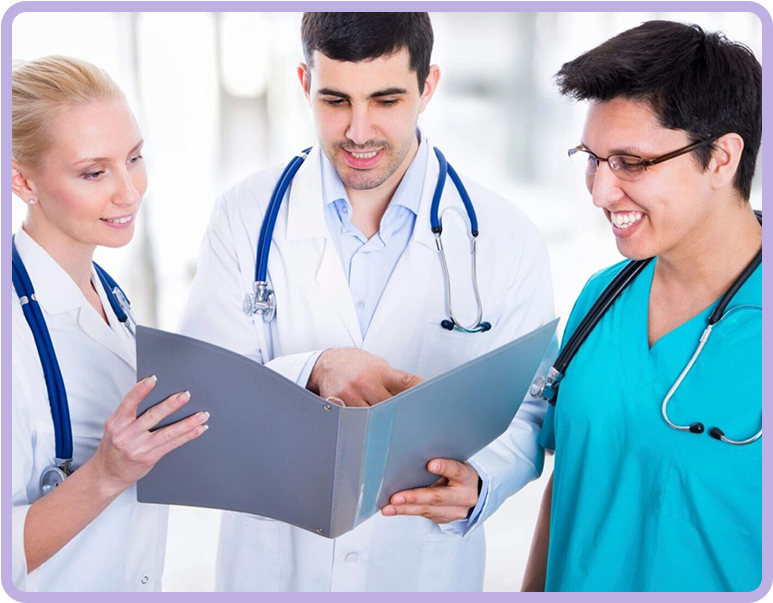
359, 37
694, 81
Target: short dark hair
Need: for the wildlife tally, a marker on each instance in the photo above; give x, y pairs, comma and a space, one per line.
359, 37
695, 81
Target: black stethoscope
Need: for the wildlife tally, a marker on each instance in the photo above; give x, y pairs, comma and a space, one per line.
263, 299
57, 396
547, 387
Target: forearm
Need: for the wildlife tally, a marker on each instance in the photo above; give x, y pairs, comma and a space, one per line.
536, 567
55, 519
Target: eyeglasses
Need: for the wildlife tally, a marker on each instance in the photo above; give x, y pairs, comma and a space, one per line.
628, 167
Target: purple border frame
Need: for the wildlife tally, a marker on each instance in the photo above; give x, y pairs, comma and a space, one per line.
293, 6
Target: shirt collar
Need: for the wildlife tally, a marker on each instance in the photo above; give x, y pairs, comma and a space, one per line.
408, 193
54, 288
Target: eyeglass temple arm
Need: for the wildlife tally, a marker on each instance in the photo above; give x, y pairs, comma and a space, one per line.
687, 149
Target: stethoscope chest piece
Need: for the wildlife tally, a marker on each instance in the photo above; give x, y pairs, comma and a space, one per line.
262, 301
51, 478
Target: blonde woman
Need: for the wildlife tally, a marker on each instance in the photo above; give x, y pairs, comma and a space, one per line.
77, 164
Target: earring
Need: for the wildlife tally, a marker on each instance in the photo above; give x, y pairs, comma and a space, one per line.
32, 201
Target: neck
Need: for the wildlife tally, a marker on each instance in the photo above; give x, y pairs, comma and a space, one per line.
369, 206
711, 262
74, 257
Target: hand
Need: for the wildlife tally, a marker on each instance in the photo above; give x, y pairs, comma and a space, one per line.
128, 450
448, 499
358, 378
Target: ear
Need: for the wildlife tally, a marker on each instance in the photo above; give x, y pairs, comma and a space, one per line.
724, 162
304, 76
20, 185
430, 85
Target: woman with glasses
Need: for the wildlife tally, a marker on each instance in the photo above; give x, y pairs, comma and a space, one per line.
656, 426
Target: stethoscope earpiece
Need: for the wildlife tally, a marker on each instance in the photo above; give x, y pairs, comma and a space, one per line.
697, 428
717, 433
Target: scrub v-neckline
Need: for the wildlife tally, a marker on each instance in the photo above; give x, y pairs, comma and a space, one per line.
645, 363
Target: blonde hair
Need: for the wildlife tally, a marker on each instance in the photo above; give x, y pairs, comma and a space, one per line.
41, 89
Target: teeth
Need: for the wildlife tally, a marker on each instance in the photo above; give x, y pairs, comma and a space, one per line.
625, 220
367, 155
119, 220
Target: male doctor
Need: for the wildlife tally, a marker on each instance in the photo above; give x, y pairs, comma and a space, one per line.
360, 298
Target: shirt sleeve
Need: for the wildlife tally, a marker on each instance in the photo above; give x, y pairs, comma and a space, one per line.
22, 458
214, 311
516, 457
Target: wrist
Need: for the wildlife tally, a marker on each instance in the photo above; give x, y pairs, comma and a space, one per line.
314, 378
104, 484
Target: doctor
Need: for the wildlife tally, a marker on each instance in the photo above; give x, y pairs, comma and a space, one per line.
77, 164
360, 299
658, 449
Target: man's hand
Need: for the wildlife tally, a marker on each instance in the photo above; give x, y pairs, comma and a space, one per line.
357, 378
448, 499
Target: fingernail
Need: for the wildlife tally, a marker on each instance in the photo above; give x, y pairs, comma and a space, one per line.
399, 500
201, 429
184, 396
389, 511
203, 416
434, 467
151, 381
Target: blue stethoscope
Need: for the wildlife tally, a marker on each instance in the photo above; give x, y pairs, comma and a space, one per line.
57, 396
547, 387
263, 299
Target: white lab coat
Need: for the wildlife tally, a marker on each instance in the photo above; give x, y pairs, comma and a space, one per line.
123, 548
315, 312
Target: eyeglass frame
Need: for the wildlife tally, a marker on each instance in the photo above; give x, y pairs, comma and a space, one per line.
645, 163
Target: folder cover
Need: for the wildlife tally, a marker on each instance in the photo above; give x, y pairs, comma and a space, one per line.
277, 450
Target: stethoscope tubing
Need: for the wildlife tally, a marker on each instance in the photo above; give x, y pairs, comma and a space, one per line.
57, 393
262, 300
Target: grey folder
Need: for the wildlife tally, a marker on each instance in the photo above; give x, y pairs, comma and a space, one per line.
277, 450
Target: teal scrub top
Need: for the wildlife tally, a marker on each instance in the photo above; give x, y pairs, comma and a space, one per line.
637, 505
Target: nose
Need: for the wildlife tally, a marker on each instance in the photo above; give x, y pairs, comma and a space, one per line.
129, 188
604, 186
361, 128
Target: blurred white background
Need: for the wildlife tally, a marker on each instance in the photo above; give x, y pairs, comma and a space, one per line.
217, 98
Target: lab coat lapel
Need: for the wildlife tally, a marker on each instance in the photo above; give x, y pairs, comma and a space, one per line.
332, 281
94, 326
306, 220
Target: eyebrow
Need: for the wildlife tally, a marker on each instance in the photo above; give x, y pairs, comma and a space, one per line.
394, 91
102, 159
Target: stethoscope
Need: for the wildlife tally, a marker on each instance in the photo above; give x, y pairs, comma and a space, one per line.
547, 387
54, 475
263, 299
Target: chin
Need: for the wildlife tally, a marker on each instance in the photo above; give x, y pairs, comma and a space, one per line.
635, 250
119, 239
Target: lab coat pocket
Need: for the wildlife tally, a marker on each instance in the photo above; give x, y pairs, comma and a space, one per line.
717, 487
249, 554
442, 557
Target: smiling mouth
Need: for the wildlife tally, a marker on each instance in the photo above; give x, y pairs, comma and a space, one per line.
119, 221
364, 154
625, 219
362, 160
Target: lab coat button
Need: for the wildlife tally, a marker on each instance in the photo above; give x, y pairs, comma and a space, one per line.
360, 304
352, 558
145, 579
